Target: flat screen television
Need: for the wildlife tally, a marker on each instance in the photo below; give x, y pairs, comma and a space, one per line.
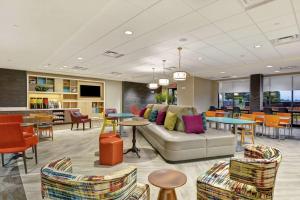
90, 91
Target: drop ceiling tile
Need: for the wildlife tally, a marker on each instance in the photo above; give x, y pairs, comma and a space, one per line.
143, 3
277, 23
196, 4
296, 4
206, 31
282, 32
289, 50
244, 32
270, 10
221, 9
194, 46
219, 39
234, 22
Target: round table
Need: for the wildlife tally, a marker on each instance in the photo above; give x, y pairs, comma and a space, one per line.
121, 116
167, 180
134, 124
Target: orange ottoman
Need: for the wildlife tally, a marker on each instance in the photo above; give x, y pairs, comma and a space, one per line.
108, 135
111, 151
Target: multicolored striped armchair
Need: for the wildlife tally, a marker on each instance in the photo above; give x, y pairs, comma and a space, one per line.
58, 182
252, 177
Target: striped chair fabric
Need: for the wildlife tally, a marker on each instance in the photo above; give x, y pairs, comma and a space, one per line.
58, 182
252, 177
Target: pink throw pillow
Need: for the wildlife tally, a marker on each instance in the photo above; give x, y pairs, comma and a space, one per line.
161, 117
193, 124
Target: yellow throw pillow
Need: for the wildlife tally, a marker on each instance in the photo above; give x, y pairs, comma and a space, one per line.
170, 121
147, 113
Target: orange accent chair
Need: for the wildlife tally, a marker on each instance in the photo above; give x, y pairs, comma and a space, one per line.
13, 141
220, 113
134, 109
111, 150
210, 114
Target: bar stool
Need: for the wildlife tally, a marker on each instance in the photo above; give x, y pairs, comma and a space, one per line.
285, 119
247, 129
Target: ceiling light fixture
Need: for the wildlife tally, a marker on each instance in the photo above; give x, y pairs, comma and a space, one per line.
164, 81
200, 58
277, 71
66, 66
152, 85
179, 75
128, 32
269, 66
79, 58
257, 46
222, 72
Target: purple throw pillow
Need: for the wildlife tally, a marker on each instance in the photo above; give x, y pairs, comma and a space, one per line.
193, 124
142, 112
161, 117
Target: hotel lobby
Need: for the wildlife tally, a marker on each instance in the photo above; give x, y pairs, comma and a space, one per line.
150, 99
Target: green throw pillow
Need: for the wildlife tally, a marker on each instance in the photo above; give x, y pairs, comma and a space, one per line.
153, 115
147, 113
170, 121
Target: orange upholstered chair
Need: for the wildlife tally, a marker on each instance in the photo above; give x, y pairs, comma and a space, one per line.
111, 151
13, 141
210, 114
28, 131
220, 113
272, 121
285, 119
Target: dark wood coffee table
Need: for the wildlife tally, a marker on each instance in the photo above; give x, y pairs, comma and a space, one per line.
167, 180
134, 124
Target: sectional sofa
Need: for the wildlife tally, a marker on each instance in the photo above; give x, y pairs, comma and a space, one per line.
177, 145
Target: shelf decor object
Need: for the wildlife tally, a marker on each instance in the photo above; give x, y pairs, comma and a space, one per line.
164, 81
153, 85
179, 75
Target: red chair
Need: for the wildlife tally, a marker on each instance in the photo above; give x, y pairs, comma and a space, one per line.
134, 110
28, 131
13, 141
77, 117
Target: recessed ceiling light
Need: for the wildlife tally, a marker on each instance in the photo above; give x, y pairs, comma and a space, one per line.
234, 76
79, 58
277, 71
257, 46
200, 58
222, 72
128, 32
66, 66
46, 66
61, 68
269, 66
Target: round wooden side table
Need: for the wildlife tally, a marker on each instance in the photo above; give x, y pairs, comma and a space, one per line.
167, 180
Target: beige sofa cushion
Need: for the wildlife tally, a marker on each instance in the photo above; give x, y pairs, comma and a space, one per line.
181, 110
160, 107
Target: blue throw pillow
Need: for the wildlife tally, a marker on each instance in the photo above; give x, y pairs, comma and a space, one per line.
153, 115
204, 120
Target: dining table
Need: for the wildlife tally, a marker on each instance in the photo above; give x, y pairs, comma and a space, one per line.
121, 117
231, 121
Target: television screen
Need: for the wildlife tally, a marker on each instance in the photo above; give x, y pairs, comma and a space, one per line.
90, 91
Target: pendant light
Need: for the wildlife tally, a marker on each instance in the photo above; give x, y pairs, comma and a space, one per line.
164, 81
152, 85
179, 75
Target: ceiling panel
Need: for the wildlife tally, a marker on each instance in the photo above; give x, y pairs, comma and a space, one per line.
277, 23
221, 9
206, 31
234, 22
282, 32
244, 32
196, 4
270, 10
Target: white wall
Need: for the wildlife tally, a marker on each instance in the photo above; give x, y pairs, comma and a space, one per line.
113, 94
198, 92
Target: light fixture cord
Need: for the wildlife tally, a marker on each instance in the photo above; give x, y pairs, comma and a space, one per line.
179, 53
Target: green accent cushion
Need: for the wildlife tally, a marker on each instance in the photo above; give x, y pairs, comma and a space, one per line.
204, 120
153, 115
147, 113
170, 121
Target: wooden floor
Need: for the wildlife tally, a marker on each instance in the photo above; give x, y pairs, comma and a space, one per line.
82, 147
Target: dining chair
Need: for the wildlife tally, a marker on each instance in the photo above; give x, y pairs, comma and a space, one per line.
109, 121
272, 121
285, 119
13, 141
259, 121
248, 129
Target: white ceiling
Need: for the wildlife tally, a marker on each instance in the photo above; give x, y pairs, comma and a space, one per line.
35, 34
